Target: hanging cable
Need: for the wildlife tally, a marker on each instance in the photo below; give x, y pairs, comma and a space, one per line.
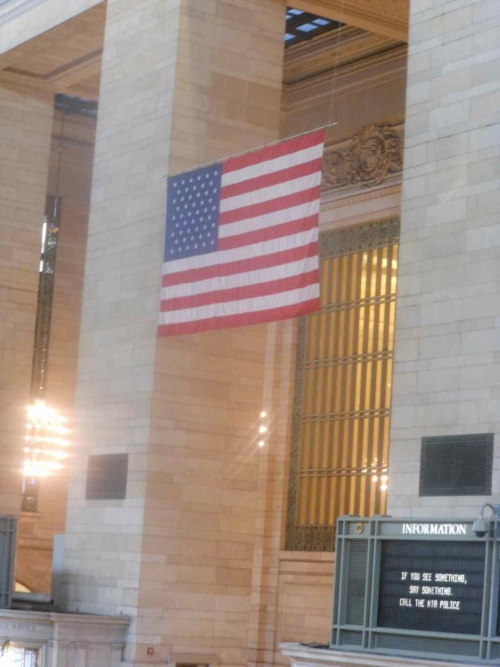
335, 62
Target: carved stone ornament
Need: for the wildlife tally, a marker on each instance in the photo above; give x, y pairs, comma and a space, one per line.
374, 154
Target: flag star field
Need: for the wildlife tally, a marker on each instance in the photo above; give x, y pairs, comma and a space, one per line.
193, 213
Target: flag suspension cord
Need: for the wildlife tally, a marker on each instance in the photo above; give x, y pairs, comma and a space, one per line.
331, 123
251, 150
335, 63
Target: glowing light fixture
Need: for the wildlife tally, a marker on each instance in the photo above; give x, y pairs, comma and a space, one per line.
262, 428
45, 441
378, 473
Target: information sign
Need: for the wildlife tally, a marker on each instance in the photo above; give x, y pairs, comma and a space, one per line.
431, 586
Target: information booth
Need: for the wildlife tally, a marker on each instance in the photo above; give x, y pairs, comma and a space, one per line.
416, 587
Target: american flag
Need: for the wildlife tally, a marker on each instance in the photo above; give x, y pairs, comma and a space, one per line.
241, 244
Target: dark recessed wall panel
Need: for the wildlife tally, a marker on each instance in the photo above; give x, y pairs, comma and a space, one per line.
107, 477
456, 465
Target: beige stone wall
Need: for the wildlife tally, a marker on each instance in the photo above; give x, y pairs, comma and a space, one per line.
70, 178
182, 83
202, 482
205, 507
70, 173
447, 364
34, 555
291, 591
26, 118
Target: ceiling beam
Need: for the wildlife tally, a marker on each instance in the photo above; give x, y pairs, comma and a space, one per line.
76, 71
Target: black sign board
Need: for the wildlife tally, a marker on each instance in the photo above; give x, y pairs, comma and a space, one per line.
431, 586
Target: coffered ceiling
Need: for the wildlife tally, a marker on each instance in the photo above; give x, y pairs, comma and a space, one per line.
384, 17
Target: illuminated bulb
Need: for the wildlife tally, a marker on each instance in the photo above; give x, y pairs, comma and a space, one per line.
374, 478
43, 442
383, 478
262, 428
263, 414
59, 455
383, 487
261, 443
384, 263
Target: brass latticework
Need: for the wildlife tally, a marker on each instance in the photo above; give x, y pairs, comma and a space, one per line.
343, 386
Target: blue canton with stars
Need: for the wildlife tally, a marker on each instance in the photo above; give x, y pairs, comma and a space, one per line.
193, 213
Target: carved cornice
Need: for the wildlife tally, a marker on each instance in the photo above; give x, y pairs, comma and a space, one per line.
370, 157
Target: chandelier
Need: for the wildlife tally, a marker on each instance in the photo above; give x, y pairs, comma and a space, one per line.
45, 442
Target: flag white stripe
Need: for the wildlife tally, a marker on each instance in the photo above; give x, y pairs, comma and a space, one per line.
272, 192
273, 165
245, 252
269, 219
221, 283
241, 306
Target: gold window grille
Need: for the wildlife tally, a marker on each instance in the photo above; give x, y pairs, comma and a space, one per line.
341, 414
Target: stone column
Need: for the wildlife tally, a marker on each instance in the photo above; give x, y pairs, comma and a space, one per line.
26, 120
447, 352
183, 83
69, 177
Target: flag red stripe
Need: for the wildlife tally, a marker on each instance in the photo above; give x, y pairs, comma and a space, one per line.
269, 233
274, 178
241, 266
276, 150
277, 204
243, 319
244, 292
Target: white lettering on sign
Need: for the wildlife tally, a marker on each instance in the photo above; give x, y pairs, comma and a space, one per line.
434, 529
435, 591
449, 605
450, 578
